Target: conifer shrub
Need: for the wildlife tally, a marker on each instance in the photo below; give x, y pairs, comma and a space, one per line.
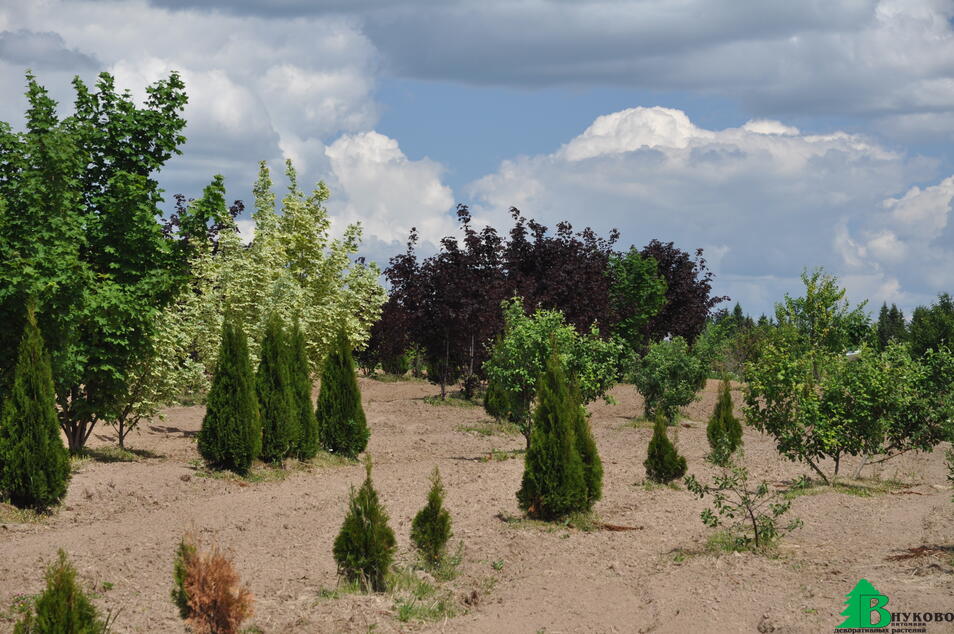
63, 607
275, 396
589, 455
495, 401
553, 482
307, 446
724, 430
397, 364
207, 590
231, 434
34, 463
663, 464
431, 528
342, 426
365, 546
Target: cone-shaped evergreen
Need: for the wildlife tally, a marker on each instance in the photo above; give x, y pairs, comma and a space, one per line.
553, 481
231, 434
365, 546
496, 401
341, 423
63, 607
34, 463
589, 455
724, 430
662, 463
307, 445
431, 527
275, 397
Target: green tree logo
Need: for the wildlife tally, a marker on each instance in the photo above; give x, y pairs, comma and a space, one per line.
863, 601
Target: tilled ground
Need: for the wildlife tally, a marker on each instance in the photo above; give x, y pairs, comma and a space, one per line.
121, 522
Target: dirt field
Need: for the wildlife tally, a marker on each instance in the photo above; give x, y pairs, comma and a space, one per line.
121, 522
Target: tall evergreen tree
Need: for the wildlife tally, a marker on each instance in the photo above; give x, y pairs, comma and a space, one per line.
724, 431
342, 426
275, 396
307, 445
230, 437
663, 464
589, 455
34, 464
554, 484
890, 326
365, 546
431, 527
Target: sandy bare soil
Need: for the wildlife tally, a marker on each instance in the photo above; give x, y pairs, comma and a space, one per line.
121, 522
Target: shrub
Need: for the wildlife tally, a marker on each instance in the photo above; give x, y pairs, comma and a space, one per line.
553, 477
275, 397
342, 426
751, 515
365, 546
495, 401
231, 435
668, 377
207, 590
724, 430
63, 606
589, 455
34, 464
300, 375
431, 527
663, 464
397, 364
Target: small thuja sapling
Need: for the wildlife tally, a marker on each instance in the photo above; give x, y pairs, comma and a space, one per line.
751, 516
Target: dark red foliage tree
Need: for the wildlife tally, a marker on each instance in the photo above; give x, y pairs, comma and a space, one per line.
688, 292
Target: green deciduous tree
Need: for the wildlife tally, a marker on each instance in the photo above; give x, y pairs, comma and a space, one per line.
431, 528
724, 431
519, 358
230, 437
63, 606
554, 481
342, 426
663, 463
276, 398
365, 546
669, 376
34, 464
933, 326
638, 293
308, 442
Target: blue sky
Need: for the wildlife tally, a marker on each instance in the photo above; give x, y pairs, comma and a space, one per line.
776, 135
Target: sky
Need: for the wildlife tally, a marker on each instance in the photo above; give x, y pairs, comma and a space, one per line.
775, 135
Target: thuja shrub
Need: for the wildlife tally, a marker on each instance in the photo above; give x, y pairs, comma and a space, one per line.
724, 430
34, 463
431, 528
663, 463
589, 455
275, 397
365, 546
496, 402
231, 434
342, 426
63, 607
307, 445
553, 482
207, 590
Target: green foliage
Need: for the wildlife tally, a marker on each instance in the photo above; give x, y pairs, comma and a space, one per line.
496, 402
397, 364
34, 464
589, 455
276, 399
663, 464
230, 437
554, 484
724, 430
79, 234
668, 377
342, 425
307, 445
933, 326
638, 293
185, 552
63, 608
431, 527
890, 326
365, 546
751, 515
520, 356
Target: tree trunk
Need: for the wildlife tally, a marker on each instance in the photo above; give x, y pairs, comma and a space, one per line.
864, 461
